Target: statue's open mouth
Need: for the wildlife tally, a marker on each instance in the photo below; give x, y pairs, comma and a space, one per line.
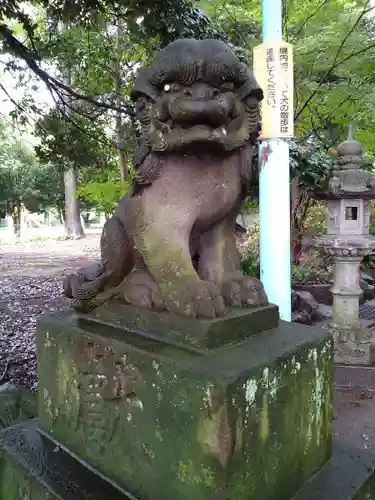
187, 123
187, 113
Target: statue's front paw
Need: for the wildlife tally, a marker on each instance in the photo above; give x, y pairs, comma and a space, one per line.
199, 299
244, 292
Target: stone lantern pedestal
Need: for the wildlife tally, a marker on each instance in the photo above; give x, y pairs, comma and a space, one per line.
353, 343
348, 193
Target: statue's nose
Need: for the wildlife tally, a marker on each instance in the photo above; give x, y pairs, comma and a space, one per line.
200, 91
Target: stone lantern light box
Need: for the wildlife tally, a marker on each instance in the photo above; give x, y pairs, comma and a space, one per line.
348, 216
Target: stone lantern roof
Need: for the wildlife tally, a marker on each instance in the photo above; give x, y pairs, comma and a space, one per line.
350, 147
347, 179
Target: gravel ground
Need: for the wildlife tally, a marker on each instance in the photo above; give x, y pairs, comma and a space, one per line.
31, 277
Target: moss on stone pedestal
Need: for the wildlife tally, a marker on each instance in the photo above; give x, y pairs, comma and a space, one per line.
16, 483
205, 334
33, 468
367, 491
16, 405
248, 421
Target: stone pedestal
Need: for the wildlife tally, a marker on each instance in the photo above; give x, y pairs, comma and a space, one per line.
360, 352
353, 343
346, 294
126, 413
164, 421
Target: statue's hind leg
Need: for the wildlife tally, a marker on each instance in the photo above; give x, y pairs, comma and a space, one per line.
97, 284
117, 251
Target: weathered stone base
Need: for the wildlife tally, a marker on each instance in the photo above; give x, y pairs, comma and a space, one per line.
32, 468
349, 334
250, 420
355, 353
352, 351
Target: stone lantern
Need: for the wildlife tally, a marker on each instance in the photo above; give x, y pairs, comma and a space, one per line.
348, 193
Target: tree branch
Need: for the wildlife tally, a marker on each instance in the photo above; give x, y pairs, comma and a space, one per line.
22, 51
335, 64
308, 18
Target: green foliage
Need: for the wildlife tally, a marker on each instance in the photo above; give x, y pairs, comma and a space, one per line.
73, 140
239, 19
94, 53
317, 270
334, 68
159, 21
23, 179
334, 48
46, 189
315, 222
333, 43
250, 261
16, 162
368, 262
334, 61
309, 165
164, 19
104, 196
372, 218
251, 265
309, 162
250, 205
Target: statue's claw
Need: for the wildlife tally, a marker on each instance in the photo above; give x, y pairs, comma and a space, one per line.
244, 292
199, 299
140, 290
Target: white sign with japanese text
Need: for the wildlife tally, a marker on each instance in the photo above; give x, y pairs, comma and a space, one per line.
273, 69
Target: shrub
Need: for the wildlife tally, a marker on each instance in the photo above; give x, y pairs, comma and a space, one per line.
250, 253
315, 223
104, 196
318, 269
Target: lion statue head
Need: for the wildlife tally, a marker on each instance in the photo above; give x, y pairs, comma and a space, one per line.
196, 96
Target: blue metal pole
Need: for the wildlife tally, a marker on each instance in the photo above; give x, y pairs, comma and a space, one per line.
274, 195
271, 20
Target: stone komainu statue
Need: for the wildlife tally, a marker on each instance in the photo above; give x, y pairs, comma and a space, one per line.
170, 244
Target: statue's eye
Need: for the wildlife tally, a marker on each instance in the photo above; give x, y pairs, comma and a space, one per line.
172, 87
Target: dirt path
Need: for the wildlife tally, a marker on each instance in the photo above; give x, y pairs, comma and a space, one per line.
30, 284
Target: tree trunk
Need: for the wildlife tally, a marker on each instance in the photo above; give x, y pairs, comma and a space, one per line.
73, 223
16, 218
296, 244
300, 206
61, 215
123, 163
